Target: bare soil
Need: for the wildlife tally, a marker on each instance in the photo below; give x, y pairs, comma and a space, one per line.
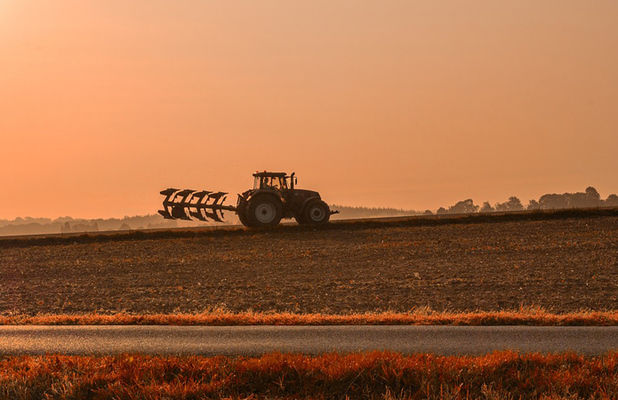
562, 265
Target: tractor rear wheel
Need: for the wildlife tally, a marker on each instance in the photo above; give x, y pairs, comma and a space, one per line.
264, 211
316, 213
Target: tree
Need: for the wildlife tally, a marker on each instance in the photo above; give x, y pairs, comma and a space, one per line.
487, 208
533, 205
589, 198
552, 201
463, 207
513, 204
592, 194
65, 228
612, 200
441, 210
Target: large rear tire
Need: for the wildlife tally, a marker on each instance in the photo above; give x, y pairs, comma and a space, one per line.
316, 213
264, 211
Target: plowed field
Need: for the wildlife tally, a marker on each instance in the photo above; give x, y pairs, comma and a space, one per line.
561, 265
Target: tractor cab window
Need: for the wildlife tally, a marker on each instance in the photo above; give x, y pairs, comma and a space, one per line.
274, 182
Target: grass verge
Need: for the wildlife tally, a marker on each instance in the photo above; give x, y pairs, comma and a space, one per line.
531, 316
378, 375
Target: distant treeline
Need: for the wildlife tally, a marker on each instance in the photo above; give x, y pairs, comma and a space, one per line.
367, 212
589, 198
31, 226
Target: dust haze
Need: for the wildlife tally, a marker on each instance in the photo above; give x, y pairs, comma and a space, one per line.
589, 198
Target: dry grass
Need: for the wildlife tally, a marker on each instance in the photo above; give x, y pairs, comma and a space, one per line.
378, 375
524, 316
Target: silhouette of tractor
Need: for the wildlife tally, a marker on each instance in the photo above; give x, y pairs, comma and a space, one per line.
272, 198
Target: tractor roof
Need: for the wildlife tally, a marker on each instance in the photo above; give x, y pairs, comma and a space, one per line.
270, 174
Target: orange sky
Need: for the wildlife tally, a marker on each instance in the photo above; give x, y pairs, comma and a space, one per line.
380, 103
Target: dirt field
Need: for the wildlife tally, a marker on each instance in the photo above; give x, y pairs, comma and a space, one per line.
562, 265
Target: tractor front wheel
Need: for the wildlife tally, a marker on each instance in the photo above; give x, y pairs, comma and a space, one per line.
316, 213
264, 211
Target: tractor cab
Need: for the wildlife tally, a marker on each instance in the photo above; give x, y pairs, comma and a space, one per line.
278, 181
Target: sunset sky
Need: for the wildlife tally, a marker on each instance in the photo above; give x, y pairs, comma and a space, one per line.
410, 104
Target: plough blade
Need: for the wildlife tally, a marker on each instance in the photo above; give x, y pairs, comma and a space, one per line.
190, 204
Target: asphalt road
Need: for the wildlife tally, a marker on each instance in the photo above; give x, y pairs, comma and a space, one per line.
256, 340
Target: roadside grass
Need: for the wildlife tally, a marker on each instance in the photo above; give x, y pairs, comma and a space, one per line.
422, 316
376, 375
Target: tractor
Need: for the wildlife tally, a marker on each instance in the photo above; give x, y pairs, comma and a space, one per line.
273, 197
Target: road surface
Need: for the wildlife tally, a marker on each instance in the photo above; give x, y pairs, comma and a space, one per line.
256, 340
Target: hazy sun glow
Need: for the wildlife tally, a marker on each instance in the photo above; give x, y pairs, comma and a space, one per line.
411, 104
